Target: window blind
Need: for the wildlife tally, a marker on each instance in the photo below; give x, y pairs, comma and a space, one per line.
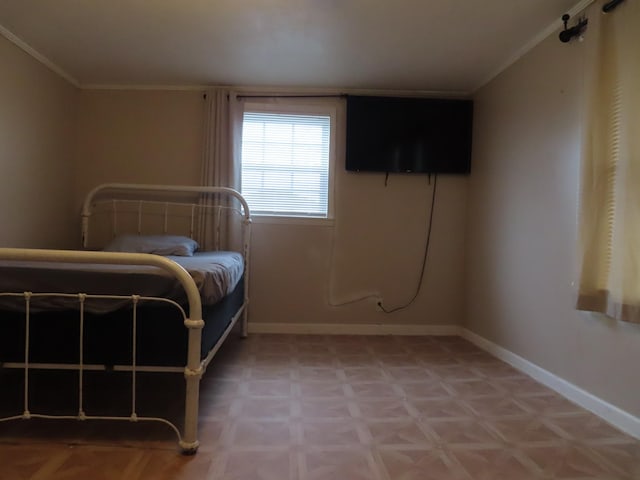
285, 163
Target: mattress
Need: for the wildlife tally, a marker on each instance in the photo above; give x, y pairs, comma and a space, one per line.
107, 338
216, 275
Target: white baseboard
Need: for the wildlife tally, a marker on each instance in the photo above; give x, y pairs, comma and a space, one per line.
610, 413
352, 329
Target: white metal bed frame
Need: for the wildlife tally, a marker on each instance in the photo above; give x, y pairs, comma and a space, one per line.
195, 367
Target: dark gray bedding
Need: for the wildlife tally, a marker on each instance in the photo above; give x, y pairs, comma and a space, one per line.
216, 274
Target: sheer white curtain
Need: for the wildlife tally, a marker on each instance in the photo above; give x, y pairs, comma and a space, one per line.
610, 190
221, 158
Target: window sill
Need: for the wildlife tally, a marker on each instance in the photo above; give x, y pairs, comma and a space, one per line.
278, 220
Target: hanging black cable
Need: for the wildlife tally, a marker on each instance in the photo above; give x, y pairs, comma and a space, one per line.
424, 258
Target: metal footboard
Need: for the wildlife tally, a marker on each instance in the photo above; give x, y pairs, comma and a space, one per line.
193, 370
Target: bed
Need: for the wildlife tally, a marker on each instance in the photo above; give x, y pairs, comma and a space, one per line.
161, 281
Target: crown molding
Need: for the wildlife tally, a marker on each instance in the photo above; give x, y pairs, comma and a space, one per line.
117, 86
38, 56
271, 90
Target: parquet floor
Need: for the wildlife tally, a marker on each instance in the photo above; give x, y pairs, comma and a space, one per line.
276, 407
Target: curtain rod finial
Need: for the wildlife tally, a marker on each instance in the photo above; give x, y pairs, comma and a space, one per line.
568, 33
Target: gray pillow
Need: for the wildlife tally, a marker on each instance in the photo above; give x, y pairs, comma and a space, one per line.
158, 244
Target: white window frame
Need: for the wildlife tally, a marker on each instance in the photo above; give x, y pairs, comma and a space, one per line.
296, 106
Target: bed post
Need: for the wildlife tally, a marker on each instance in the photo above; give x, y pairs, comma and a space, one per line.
192, 374
85, 228
246, 250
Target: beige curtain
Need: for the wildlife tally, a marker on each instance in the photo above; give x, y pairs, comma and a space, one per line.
220, 162
610, 192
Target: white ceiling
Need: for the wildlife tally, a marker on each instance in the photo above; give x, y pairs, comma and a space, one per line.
429, 45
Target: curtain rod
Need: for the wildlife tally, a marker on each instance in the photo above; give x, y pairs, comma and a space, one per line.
609, 6
277, 95
568, 33
284, 95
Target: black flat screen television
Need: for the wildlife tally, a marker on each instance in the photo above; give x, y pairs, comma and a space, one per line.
408, 135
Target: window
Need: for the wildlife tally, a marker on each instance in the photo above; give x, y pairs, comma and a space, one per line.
287, 158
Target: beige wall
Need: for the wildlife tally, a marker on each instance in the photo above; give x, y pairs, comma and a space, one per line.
377, 239
37, 135
375, 246
522, 238
138, 136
